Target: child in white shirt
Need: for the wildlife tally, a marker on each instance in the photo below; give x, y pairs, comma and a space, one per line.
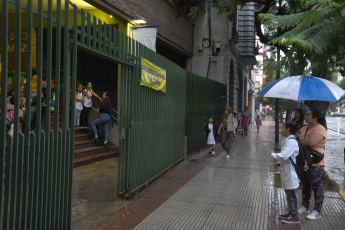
289, 179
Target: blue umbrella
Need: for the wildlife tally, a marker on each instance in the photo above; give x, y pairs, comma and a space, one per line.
303, 88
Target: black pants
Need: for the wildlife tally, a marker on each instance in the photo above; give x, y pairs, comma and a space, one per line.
84, 116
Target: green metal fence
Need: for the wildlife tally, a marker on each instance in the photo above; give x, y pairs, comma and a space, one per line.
36, 164
152, 122
204, 97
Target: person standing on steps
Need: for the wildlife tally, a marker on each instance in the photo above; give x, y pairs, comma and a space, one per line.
228, 124
104, 118
88, 93
79, 99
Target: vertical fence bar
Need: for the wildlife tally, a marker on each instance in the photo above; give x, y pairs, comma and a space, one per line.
82, 27
88, 29
66, 112
38, 169
19, 204
71, 148
28, 156
56, 167
94, 33
15, 154
100, 39
110, 40
4, 72
8, 179
105, 37
48, 154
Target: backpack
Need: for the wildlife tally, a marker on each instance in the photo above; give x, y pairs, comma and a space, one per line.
244, 121
303, 161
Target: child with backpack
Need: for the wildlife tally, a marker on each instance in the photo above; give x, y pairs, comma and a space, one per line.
211, 129
289, 179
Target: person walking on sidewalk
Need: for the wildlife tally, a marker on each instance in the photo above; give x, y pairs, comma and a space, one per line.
288, 175
228, 125
211, 129
316, 139
258, 123
104, 117
244, 124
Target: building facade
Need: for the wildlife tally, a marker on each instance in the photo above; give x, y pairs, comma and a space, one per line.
224, 52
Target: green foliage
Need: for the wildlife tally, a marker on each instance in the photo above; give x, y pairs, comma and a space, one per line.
341, 84
228, 6
194, 12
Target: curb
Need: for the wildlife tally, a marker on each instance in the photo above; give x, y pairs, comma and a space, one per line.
341, 193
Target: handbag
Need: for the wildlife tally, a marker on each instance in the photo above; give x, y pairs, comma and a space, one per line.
316, 156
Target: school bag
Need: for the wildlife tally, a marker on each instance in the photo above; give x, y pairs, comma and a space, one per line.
303, 161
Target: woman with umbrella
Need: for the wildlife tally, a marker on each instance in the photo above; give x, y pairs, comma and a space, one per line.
313, 136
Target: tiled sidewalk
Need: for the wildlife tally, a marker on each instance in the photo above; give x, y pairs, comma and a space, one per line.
219, 193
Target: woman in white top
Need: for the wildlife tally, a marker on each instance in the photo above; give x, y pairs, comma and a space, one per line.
88, 93
79, 99
228, 122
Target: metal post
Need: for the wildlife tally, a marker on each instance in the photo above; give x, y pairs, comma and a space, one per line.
277, 100
277, 107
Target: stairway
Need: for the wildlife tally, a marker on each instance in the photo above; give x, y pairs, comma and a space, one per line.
85, 150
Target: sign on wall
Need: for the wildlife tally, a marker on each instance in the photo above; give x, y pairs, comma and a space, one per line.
152, 76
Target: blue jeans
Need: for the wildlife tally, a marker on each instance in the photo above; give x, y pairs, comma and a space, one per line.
102, 119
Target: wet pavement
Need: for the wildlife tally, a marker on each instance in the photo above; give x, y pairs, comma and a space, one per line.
335, 150
217, 193
94, 194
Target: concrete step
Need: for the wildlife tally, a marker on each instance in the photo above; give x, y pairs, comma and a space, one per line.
91, 158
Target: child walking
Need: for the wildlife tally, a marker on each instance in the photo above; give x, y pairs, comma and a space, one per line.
258, 122
289, 179
211, 129
79, 99
244, 124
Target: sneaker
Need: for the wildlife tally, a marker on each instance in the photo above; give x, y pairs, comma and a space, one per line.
291, 220
314, 215
284, 216
227, 156
210, 153
303, 211
213, 153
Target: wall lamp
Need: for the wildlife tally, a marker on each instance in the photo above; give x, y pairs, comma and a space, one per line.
138, 20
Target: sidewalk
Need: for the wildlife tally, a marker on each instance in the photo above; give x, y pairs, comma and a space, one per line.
217, 193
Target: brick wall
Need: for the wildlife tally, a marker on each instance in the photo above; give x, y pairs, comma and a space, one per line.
173, 27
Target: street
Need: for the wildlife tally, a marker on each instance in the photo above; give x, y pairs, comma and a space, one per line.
335, 149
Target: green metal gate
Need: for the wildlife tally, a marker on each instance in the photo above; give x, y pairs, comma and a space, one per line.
152, 122
36, 165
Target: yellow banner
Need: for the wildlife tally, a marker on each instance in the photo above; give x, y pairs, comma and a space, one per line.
152, 76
